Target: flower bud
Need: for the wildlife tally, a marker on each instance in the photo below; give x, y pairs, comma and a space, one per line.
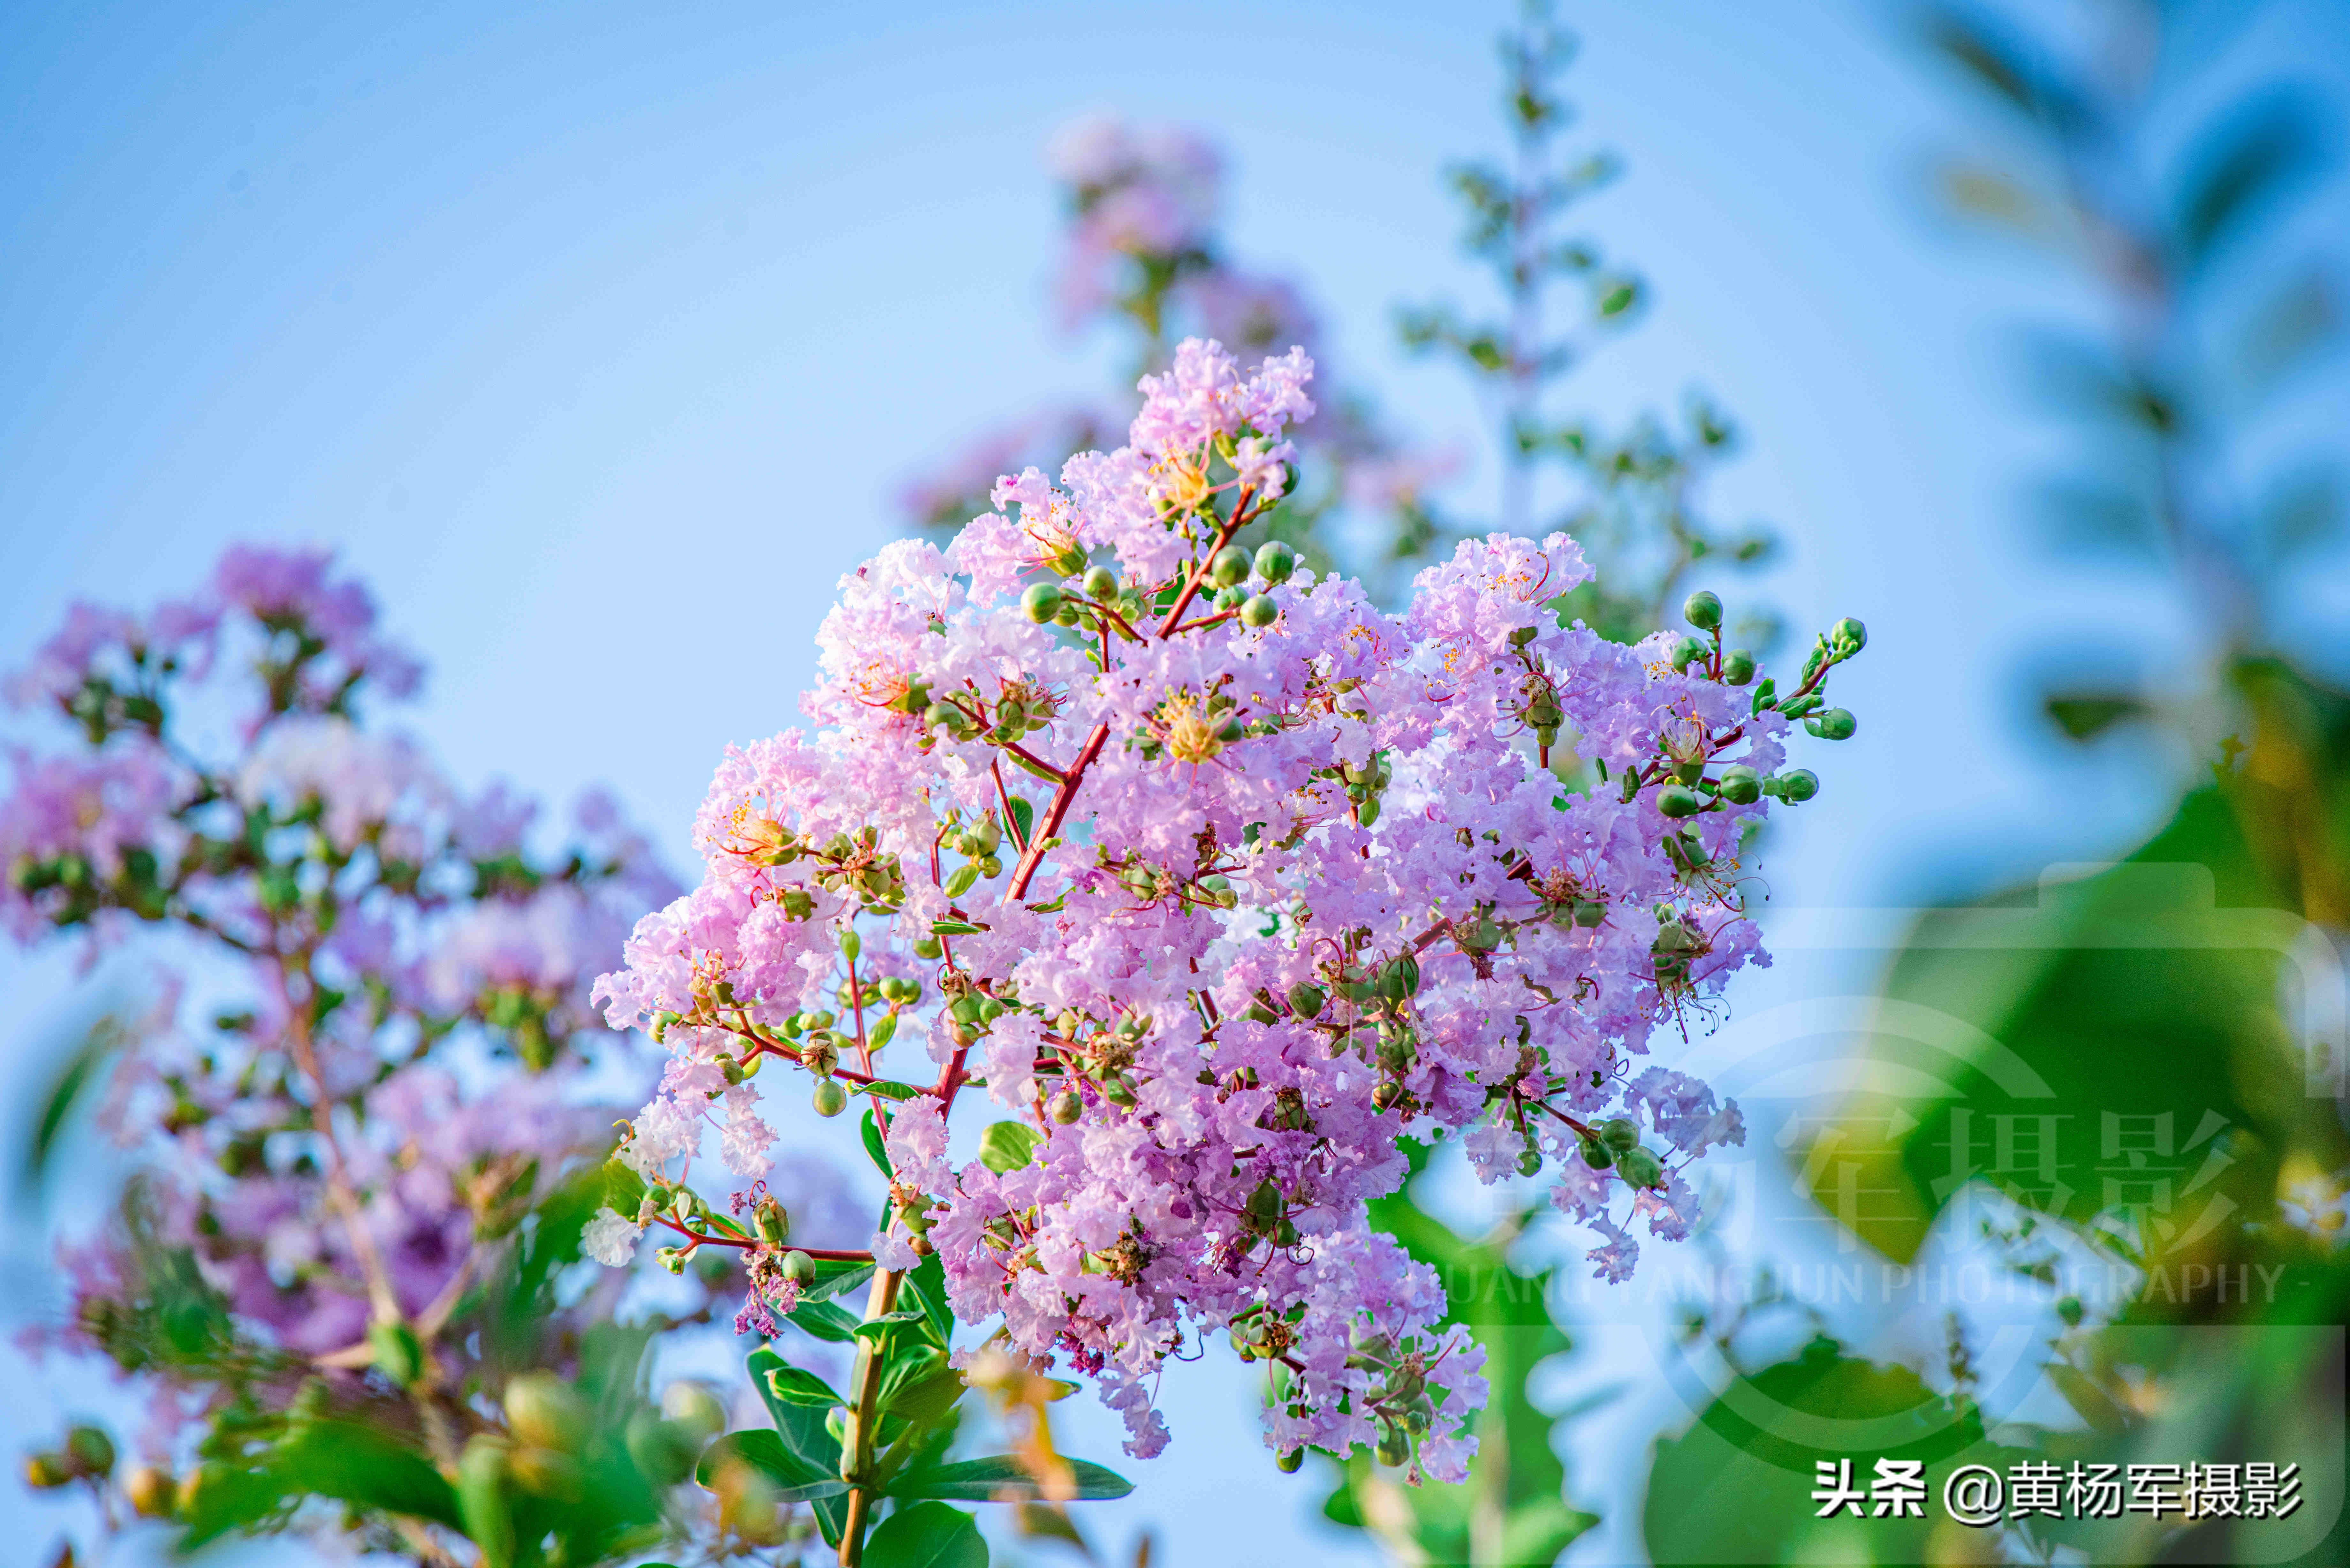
1741, 785
1275, 561
1737, 667
1395, 1447
1230, 598
1288, 1460
1678, 801
1640, 1168
1066, 1107
694, 1408
1118, 1091
1383, 1097
546, 1412
47, 1471
1101, 583
1229, 566
1702, 609
1529, 1163
800, 1267
1042, 601
664, 1451
771, 1221
1797, 786
151, 1491
1833, 723
1686, 652
1306, 1001
1847, 637
1597, 1155
1259, 611
91, 1450
1619, 1132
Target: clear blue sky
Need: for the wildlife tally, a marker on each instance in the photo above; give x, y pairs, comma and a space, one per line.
598, 336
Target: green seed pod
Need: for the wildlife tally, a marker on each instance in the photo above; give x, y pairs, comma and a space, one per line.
1797, 786
1833, 723
1275, 561
1702, 609
1042, 601
151, 1491
47, 1471
1395, 1447
91, 1450
930, 948
1619, 1132
1678, 801
1367, 813
1288, 1460
1399, 977
1229, 566
1259, 611
771, 1221
1640, 1168
1306, 1001
1687, 651
546, 1412
1529, 1163
1066, 1107
830, 1098
1066, 615
694, 1408
1101, 583
800, 1267
664, 1451
1847, 637
1688, 773
1229, 598
1118, 1091
1741, 785
1737, 667
1597, 1155
1383, 1097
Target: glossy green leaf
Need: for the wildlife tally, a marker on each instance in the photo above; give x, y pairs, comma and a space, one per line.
874, 1148
824, 1321
834, 1276
925, 1286
927, 1536
1006, 1147
798, 1386
799, 1428
795, 1480
889, 1090
1001, 1478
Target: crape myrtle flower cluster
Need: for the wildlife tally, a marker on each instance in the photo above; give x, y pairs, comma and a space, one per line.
381, 1085
1219, 881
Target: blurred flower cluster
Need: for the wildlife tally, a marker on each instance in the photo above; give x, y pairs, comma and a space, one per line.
356, 1097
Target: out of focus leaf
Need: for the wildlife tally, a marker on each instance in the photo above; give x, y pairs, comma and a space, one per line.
927, 1536
357, 1463
2303, 513
80, 1072
794, 1478
2002, 66
2086, 516
2249, 158
2301, 317
1991, 196
2084, 716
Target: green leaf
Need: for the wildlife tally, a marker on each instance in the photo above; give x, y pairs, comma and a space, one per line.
1026, 815
824, 1321
927, 1536
2240, 166
878, 1331
1000, 1477
795, 1480
925, 1399
834, 1276
799, 1428
1007, 1146
2084, 716
875, 1148
926, 1284
955, 928
80, 1071
892, 1091
798, 1386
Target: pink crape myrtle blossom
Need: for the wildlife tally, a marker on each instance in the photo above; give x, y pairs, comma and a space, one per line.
1219, 880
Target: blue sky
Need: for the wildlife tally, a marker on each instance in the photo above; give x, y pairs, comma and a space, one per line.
599, 336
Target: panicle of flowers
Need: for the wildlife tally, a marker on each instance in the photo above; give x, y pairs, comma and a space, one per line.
362, 1086
1219, 880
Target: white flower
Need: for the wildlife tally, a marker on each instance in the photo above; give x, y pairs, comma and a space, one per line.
610, 1240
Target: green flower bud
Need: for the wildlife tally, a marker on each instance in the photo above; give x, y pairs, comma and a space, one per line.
1619, 1132
1686, 652
1288, 1460
1066, 1107
1118, 1091
1395, 1447
1597, 1155
1259, 611
91, 1450
1383, 1097
1741, 785
772, 1223
1797, 786
1229, 598
1833, 723
1640, 1168
1737, 667
1042, 601
1702, 610
1275, 563
1399, 977
1678, 801
546, 1412
1367, 813
931, 949
1229, 566
1101, 583
830, 1098
49, 1471
1529, 1163
695, 1408
151, 1491
664, 1451
1306, 1001
800, 1267
1847, 637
